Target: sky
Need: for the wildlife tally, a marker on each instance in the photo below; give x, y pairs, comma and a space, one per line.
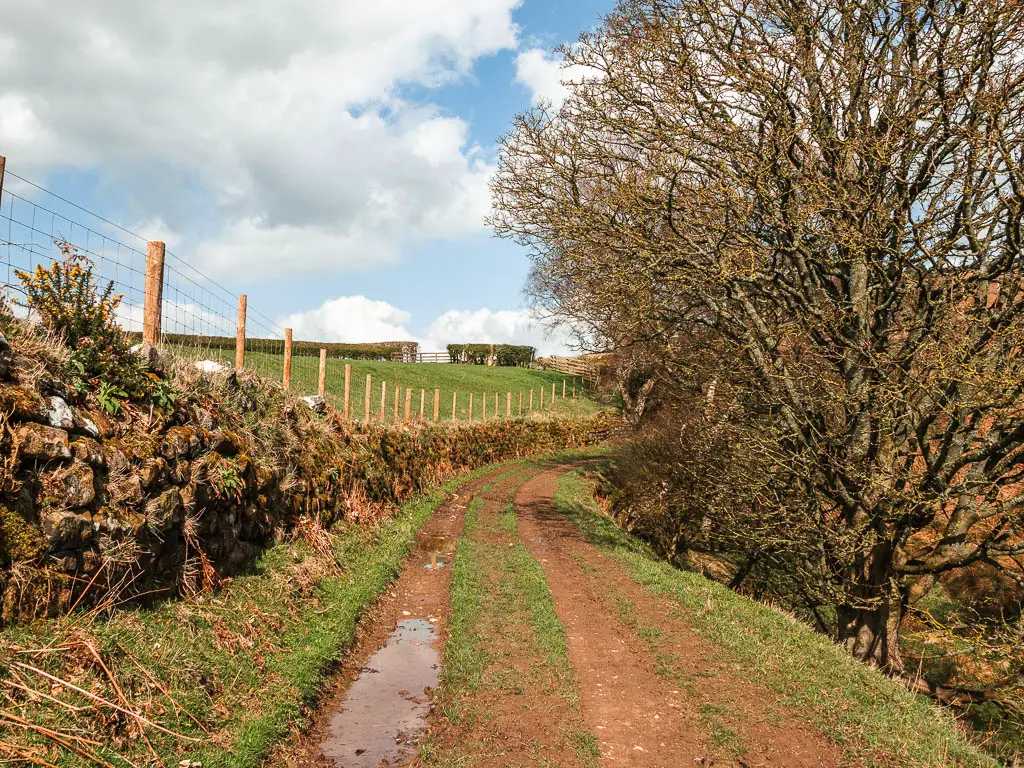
328, 159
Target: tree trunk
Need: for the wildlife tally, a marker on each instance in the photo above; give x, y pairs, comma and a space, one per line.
872, 635
634, 404
870, 628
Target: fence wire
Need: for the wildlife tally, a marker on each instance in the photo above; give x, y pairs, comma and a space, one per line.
199, 315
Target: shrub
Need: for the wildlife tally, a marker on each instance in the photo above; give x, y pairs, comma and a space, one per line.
71, 303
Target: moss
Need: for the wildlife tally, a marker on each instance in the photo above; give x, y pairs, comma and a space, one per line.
21, 402
20, 537
136, 444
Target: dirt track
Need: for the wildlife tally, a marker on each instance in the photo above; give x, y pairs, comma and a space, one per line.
642, 718
674, 702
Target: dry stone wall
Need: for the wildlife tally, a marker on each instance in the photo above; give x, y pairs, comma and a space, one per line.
155, 501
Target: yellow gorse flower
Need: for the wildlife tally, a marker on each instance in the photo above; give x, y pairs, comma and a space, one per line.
68, 298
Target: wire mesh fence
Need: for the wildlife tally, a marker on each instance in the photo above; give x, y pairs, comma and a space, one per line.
169, 301
198, 316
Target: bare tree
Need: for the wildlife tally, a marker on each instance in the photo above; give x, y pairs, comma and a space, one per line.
833, 189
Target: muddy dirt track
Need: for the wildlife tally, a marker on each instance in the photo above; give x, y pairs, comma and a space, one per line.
587, 688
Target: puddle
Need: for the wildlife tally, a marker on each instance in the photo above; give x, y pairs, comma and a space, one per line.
433, 543
384, 711
436, 545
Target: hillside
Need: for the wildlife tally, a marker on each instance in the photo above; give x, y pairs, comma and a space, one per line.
463, 379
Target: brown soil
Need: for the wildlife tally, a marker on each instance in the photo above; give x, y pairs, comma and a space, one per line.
519, 715
643, 718
646, 706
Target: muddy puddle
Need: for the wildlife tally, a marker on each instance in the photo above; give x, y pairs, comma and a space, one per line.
438, 547
433, 543
384, 711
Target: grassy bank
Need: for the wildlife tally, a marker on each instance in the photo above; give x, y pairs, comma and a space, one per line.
216, 679
462, 379
874, 719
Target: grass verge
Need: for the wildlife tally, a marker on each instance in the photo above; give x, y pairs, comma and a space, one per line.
876, 720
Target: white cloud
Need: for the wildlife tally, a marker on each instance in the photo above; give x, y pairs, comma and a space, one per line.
178, 317
156, 229
507, 326
546, 75
259, 128
358, 319
257, 250
353, 319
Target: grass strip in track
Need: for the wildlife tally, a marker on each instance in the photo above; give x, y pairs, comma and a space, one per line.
878, 721
465, 656
506, 645
529, 587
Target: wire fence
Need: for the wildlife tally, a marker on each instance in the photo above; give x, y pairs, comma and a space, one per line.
169, 301
198, 315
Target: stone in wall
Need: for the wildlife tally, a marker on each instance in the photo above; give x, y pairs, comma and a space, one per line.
22, 403
165, 510
38, 441
181, 443
59, 413
75, 486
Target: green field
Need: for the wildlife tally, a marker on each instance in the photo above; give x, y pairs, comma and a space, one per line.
460, 380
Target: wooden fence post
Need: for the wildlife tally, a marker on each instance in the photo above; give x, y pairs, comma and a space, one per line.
563, 389
471, 406
366, 399
437, 403
153, 312
455, 402
423, 397
520, 403
240, 333
397, 390
552, 403
541, 399
531, 401
483, 406
383, 402
321, 380
348, 383
408, 405
287, 358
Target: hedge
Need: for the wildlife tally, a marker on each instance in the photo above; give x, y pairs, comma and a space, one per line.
505, 354
380, 351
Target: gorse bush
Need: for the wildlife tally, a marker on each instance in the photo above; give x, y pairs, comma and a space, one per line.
72, 303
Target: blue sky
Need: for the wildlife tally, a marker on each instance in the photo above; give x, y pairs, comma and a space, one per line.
330, 159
